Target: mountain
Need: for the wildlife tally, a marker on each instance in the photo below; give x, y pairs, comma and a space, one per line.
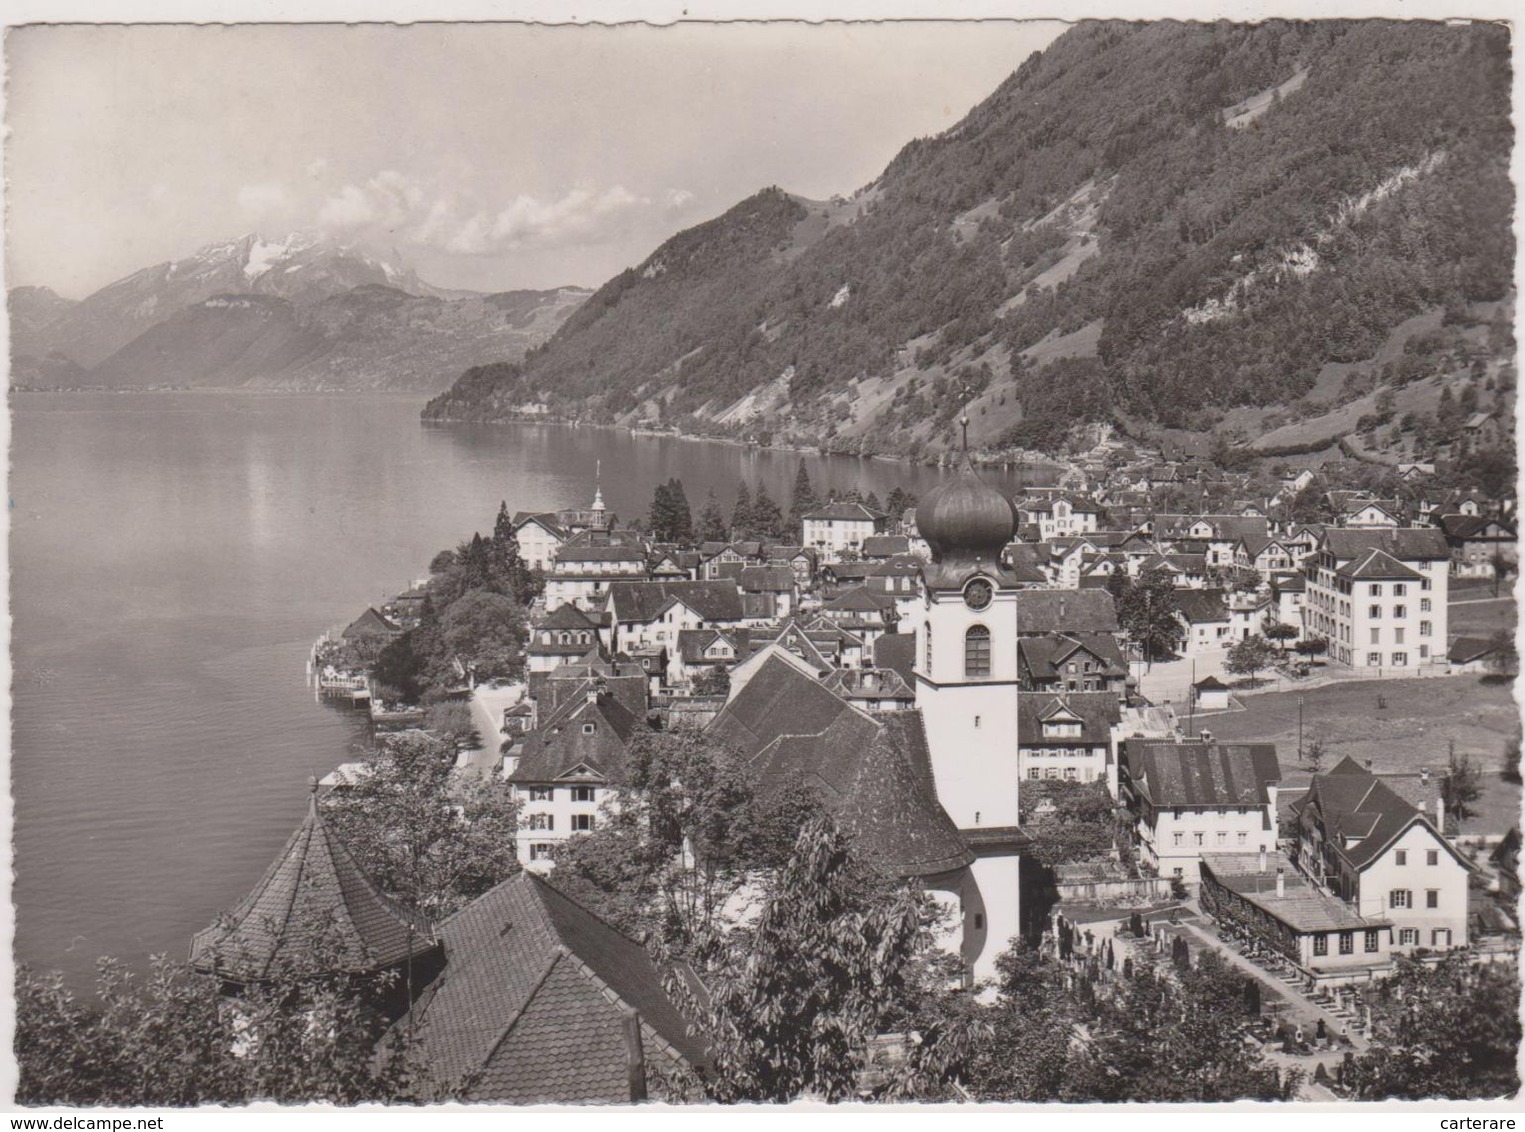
1173, 223
297, 313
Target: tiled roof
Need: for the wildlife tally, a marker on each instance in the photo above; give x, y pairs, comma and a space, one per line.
693, 643
872, 771
1465, 650
1377, 564
1043, 655
642, 601
532, 1005
1196, 773
1202, 606
1407, 544
861, 599
370, 624
574, 553
885, 546
566, 616
1302, 907
1065, 611
766, 579
869, 684
1097, 712
314, 910
546, 519
897, 652
1352, 802
563, 742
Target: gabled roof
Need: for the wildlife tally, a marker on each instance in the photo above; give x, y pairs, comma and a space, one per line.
314, 911
1350, 802
546, 519
1465, 650
869, 684
566, 616
1194, 773
873, 772
1202, 607
572, 552
694, 644
897, 652
1474, 526
1043, 655
885, 546
533, 1004
1096, 711
860, 599
1407, 544
766, 579
1065, 611
644, 601
563, 741
1377, 564
370, 624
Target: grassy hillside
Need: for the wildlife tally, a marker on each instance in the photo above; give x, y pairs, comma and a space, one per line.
1169, 220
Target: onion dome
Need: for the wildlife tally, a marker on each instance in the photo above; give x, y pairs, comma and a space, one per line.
966, 522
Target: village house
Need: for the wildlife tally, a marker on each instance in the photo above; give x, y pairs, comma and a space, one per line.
569, 765
638, 614
881, 548
1370, 513
1217, 537
1475, 541
582, 572
1379, 596
1384, 857
565, 633
703, 651
1060, 515
1067, 737
839, 529
539, 536
872, 689
1072, 662
1042, 612
1190, 797
1206, 623
1265, 554
775, 587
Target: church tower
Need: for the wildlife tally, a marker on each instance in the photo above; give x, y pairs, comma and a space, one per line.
966, 690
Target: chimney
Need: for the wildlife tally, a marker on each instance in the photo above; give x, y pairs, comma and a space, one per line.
1262, 858
1440, 814
1281, 882
1424, 774
1368, 764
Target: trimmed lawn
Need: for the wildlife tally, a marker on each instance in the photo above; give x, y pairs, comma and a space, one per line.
1477, 617
1412, 731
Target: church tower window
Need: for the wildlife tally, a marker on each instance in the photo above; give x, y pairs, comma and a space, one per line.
977, 652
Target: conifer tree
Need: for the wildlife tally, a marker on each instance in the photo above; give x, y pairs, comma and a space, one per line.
741, 514
682, 520
804, 498
767, 518
711, 520
511, 574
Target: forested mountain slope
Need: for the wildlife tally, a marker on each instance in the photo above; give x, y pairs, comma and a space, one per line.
1166, 219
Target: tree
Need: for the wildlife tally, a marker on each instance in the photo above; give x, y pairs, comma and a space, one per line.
899, 502
486, 632
793, 1001
802, 500
715, 682
1312, 647
1461, 787
1080, 822
669, 518
711, 521
1147, 612
1504, 656
1280, 632
741, 514
168, 1040
767, 519
1445, 1031
1502, 564
1249, 656
510, 574
430, 836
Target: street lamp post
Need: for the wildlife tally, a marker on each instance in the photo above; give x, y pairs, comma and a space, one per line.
1299, 729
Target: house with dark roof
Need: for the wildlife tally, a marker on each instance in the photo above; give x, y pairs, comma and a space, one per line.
1382, 855
1072, 662
872, 689
639, 614
1475, 542
1265, 554
841, 528
565, 633
1206, 621
862, 611
583, 569
541, 1002
1379, 595
370, 626
702, 651
1068, 737
1061, 514
567, 767
1041, 612
1190, 797
881, 548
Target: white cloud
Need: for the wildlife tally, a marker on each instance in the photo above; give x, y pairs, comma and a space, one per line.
263, 199
405, 211
678, 198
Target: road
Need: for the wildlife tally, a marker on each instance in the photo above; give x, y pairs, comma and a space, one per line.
487, 707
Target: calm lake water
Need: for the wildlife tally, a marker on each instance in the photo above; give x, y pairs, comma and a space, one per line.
172, 558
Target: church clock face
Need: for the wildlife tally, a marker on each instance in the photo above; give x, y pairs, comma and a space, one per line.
977, 594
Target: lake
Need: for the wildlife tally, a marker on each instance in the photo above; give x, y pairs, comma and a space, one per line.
174, 555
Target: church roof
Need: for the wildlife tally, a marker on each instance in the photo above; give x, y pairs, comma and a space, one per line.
314, 911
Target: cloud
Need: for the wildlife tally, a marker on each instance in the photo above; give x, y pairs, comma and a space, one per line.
408, 212
262, 199
678, 199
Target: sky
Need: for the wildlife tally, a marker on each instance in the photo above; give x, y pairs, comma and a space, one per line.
489, 157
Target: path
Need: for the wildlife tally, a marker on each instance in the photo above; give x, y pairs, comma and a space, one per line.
487, 707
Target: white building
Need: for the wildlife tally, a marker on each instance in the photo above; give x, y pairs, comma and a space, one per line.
837, 528
1379, 596
581, 573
